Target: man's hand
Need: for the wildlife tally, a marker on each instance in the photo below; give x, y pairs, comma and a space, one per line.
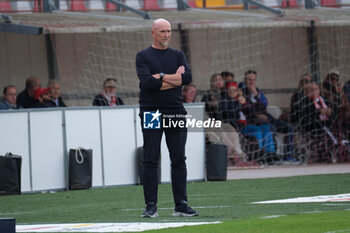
253, 90
242, 100
156, 76
180, 70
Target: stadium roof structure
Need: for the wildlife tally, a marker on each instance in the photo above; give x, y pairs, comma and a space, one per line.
75, 22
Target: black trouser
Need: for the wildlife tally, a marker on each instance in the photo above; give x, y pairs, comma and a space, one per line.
175, 140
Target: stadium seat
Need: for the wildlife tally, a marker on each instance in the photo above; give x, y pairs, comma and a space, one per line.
192, 3
5, 7
77, 5
329, 3
150, 5
110, 7
38, 6
289, 3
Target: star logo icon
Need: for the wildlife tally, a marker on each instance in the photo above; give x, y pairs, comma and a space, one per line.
156, 115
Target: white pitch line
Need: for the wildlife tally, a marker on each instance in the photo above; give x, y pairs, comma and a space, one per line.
194, 207
272, 216
106, 227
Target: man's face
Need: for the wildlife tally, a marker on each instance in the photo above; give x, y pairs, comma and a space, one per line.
162, 34
111, 91
55, 90
11, 95
251, 80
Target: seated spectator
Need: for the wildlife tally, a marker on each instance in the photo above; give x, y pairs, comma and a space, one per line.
346, 111
244, 114
227, 134
189, 93
214, 95
42, 98
318, 117
298, 99
109, 95
347, 90
9, 96
25, 98
331, 91
228, 76
255, 97
55, 93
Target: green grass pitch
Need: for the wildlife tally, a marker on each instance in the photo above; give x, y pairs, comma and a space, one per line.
228, 202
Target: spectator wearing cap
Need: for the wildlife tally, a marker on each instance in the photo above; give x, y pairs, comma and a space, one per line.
9, 96
109, 95
42, 98
25, 99
55, 92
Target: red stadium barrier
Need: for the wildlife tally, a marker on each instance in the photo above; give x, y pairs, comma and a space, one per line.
110, 7
77, 5
329, 3
192, 3
150, 5
38, 6
289, 3
5, 7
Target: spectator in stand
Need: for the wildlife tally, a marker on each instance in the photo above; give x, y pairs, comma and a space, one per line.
298, 99
347, 90
228, 76
255, 97
214, 95
109, 95
318, 117
55, 93
242, 114
189, 93
9, 96
25, 98
346, 111
227, 134
331, 90
42, 98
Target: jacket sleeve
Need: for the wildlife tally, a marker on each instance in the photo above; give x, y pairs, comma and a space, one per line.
147, 81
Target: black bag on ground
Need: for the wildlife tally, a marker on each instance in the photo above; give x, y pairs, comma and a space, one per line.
216, 162
10, 174
80, 168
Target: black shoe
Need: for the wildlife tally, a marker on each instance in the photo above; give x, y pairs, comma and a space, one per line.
183, 210
150, 211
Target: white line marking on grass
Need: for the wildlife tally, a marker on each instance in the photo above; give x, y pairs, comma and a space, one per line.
329, 198
271, 216
339, 231
17, 213
335, 204
105, 227
194, 207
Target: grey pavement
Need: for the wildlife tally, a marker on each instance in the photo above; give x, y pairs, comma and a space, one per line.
286, 171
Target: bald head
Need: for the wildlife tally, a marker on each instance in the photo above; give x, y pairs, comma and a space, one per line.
161, 33
160, 22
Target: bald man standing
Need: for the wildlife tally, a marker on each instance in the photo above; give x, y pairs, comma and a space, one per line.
162, 72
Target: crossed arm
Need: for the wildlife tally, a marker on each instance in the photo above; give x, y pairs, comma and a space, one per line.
171, 80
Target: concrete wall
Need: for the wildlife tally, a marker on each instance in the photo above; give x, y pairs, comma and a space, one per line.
22, 56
